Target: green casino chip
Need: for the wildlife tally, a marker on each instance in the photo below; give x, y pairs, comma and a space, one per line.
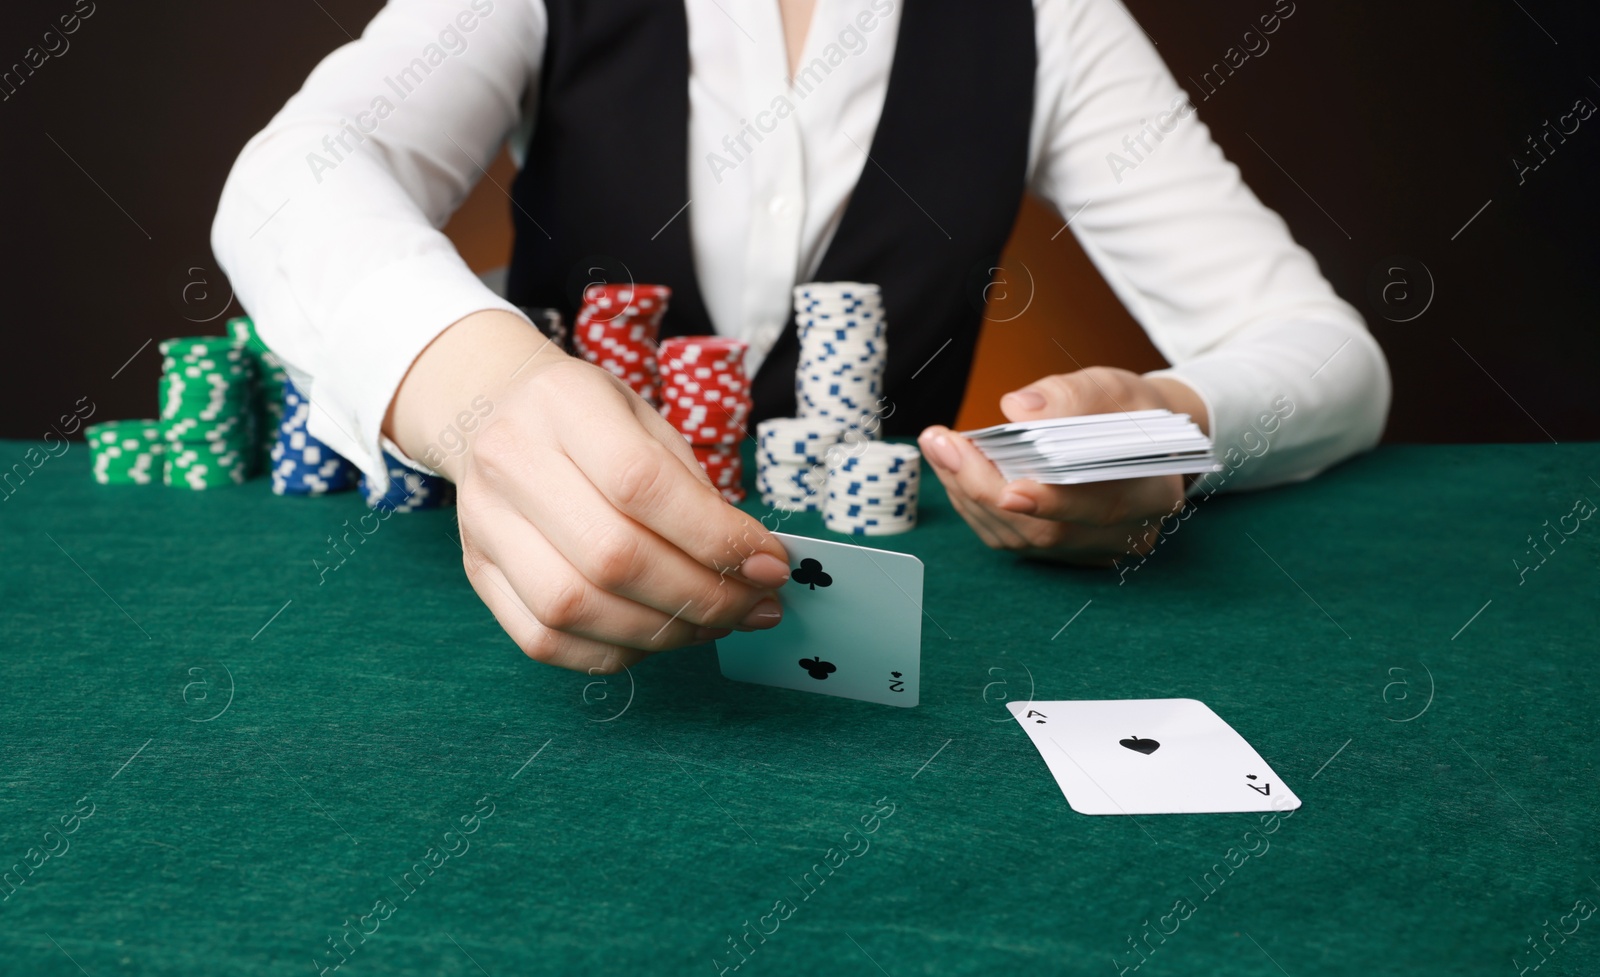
126, 452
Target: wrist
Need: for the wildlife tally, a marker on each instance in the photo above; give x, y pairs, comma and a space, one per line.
455, 383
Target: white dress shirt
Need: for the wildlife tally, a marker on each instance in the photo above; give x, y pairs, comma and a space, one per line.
328, 224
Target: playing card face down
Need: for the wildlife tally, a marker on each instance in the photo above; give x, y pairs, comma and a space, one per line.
852, 626
1150, 756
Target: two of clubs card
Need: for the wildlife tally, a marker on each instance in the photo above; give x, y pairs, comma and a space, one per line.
1150, 756
852, 626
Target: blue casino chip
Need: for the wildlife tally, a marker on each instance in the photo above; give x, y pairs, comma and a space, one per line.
301, 464
408, 490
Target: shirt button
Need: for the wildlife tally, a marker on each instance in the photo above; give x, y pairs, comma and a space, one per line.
776, 206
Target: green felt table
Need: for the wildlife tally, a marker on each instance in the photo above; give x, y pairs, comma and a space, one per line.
273, 760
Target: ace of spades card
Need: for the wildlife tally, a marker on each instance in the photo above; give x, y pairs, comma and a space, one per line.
852, 626
1150, 756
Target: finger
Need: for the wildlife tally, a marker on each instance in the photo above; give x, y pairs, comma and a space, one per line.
1102, 545
964, 510
1095, 503
580, 532
952, 492
673, 439
647, 481
958, 463
983, 524
537, 641
992, 530
1095, 390
563, 600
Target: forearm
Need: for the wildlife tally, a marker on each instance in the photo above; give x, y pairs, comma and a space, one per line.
1288, 401
1213, 276
328, 224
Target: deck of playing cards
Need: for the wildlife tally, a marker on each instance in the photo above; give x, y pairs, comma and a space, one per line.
1150, 756
1096, 447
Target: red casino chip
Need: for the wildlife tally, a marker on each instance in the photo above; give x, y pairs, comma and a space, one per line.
705, 392
711, 432
614, 299
724, 467
617, 329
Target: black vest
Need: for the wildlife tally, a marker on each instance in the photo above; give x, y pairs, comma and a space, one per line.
937, 198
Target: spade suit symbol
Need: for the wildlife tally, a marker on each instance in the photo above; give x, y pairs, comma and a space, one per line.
817, 668
1139, 745
810, 572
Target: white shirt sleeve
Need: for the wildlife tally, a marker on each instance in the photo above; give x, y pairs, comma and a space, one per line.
328, 226
1240, 310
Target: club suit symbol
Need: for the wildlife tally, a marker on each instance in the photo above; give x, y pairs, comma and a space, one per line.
810, 572
817, 668
1138, 745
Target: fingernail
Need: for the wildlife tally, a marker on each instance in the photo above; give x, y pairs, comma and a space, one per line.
702, 635
764, 570
767, 613
1025, 400
944, 454
1017, 502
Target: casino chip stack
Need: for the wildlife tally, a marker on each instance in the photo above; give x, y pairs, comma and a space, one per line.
126, 452
872, 490
792, 461
409, 490
617, 330
705, 394
205, 403
271, 376
301, 464
843, 349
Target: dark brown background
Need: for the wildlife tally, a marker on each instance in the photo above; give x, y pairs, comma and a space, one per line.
1398, 122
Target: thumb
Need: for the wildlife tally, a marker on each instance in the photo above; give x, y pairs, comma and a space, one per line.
1054, 396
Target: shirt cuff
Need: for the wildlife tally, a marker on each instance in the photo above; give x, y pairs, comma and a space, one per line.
384, 324
1278, 417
